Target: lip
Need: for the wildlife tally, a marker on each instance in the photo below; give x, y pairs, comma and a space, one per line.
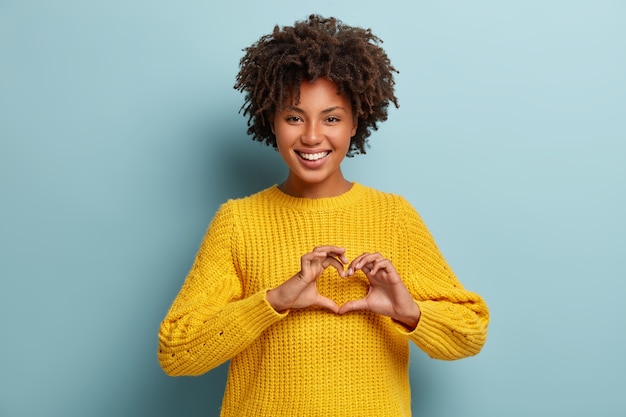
313, 163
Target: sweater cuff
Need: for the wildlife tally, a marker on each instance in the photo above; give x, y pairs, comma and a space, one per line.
433, 334
260, 314
429, 324
402, 329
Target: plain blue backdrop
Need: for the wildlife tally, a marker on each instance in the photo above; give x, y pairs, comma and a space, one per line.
120, 136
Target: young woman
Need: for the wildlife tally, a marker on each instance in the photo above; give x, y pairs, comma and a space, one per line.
313, 288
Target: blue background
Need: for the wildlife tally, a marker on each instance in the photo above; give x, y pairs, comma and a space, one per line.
120, 136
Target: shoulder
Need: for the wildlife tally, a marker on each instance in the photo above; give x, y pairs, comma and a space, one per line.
386, 197
258, 198
394, 205
236, 213
244, 209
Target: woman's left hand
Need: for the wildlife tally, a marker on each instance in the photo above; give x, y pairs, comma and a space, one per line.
387, 294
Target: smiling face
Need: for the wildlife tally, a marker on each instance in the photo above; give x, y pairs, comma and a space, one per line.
313, 137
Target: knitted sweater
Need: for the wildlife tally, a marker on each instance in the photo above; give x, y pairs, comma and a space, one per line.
312, 362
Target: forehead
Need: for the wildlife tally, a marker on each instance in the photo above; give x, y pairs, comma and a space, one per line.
318, 91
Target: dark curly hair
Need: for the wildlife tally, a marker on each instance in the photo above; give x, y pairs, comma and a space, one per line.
273, 68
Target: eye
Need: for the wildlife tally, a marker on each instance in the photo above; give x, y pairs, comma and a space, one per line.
293, 119
333, 119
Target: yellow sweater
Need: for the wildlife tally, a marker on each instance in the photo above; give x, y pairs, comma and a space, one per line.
312, 362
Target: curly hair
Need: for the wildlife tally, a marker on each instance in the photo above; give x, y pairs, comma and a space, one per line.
273, 68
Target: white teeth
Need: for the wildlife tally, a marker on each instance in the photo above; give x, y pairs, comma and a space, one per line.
314, 156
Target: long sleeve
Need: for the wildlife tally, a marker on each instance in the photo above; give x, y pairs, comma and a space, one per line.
454, 321
209, 322
311, 361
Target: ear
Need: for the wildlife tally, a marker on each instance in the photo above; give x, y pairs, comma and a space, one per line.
270, 119
355, 126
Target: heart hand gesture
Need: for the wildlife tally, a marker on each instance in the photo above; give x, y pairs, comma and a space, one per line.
387, 294
300, 291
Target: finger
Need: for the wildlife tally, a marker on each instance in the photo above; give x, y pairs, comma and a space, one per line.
335, 251
315, 258
323, 252
339, 255
356, 261
313, 265
327, 303
315, 255
379, 265
354, 305
364, 260
335, 263
343, 259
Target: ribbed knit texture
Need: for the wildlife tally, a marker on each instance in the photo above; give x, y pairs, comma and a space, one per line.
312, 362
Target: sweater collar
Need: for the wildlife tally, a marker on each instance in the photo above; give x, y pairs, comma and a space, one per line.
328, 203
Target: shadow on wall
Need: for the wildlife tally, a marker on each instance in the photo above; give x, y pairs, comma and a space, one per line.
233, 165
245, 166
181, 396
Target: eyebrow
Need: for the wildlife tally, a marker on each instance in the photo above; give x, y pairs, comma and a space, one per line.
325, 111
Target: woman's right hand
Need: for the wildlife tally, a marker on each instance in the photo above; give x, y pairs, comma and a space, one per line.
300, 291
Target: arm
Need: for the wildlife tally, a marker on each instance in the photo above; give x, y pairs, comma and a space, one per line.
453, 321
209, 322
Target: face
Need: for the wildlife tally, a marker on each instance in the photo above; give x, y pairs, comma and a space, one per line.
313, 137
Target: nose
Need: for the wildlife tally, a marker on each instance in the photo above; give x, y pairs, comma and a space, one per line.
312, 134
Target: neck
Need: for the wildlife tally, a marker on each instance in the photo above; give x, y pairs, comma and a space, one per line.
298, 189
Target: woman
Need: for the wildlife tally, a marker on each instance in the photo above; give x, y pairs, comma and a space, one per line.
314, 287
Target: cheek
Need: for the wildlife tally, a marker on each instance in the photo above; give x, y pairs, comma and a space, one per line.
285, 133
279, 135
285, 153
282, 144
350, 134
355, 126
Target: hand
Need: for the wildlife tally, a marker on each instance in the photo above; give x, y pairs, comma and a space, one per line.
387, 294
300, 291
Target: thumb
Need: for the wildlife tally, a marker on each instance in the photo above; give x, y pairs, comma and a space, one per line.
354, 305
327, 303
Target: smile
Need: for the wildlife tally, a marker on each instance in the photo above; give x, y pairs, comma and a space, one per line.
313, 156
